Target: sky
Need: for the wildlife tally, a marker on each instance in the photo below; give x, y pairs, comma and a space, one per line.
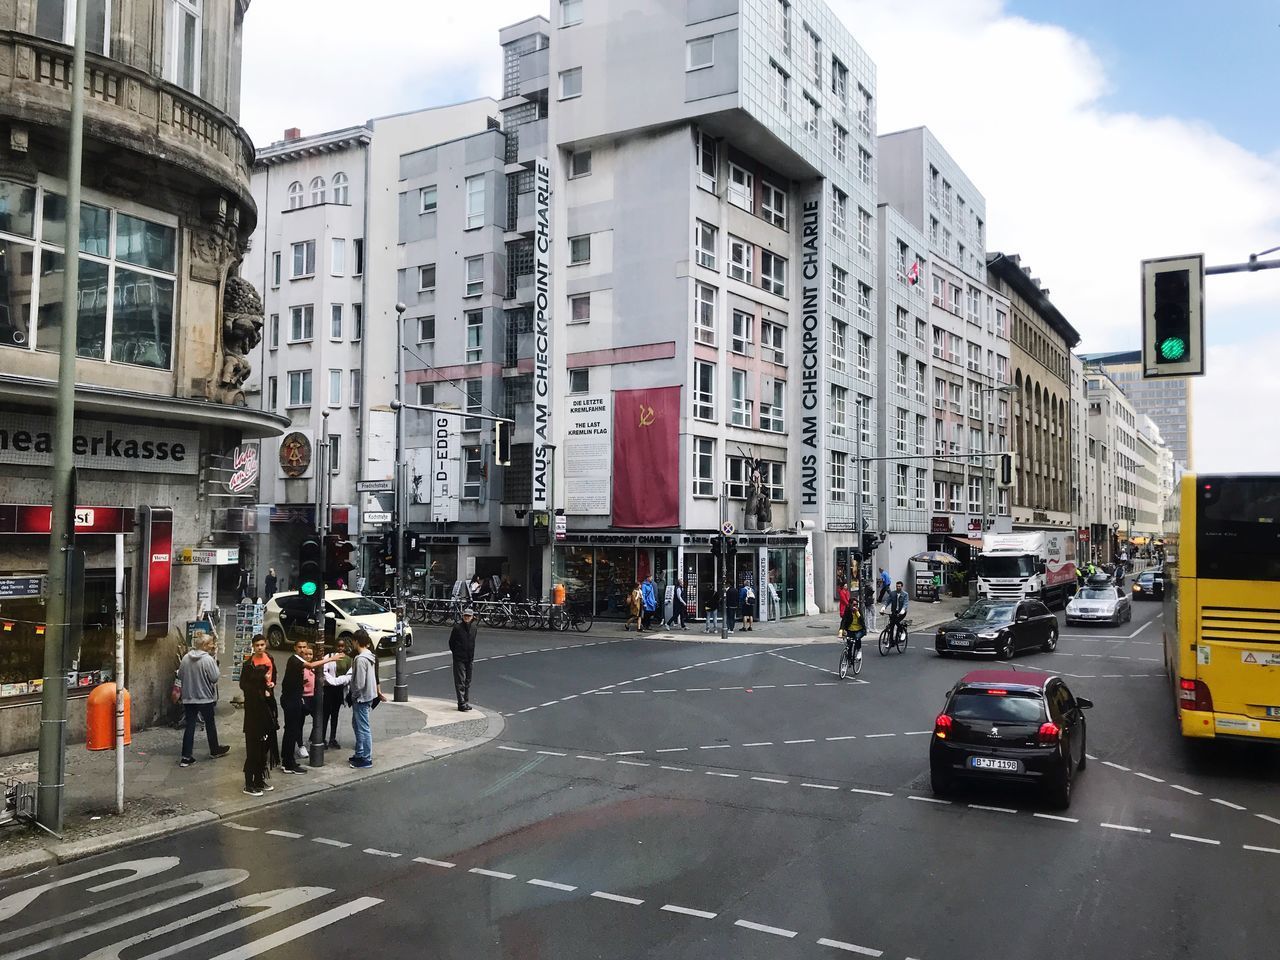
1101, 132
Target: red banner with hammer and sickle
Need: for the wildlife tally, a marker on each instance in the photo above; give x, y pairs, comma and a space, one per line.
646, 458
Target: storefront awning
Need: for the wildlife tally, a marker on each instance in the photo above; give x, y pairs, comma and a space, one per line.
973, 542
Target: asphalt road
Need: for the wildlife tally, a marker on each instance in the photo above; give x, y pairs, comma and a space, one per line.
693, 800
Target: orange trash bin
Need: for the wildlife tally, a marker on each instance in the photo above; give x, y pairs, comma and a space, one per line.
100, 717
557, 595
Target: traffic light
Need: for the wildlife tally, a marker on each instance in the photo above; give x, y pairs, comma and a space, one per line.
715, 546
310, 560
410, 545
730, 546
1006, 470
388, 550
502, 442
338, 565
1173, 317
869, 543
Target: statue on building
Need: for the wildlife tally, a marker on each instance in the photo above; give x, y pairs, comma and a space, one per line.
758, 514
242, 318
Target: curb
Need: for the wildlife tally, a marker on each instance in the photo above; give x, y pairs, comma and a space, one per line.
67, 851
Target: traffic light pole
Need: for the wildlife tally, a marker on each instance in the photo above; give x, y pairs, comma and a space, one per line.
401, 690
724, 561
315, 755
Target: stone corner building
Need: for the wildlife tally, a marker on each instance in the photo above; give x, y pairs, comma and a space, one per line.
164, 443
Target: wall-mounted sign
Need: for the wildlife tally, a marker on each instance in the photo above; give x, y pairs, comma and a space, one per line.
11, 587
375, 486
28, 439
295, 454
940, 525
207, 557
543, 354
376, 516
35, 518
156, 566
588, 454
245, 468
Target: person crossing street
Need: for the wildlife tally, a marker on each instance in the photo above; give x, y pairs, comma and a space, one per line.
462, 644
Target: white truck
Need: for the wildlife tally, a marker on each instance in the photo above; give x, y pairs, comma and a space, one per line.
1033, 563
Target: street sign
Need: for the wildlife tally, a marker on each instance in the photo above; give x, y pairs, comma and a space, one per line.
728, 529
375, 486
376, 516
11, 587
562, 526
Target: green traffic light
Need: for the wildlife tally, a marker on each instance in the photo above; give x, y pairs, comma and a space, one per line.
1173, 348
308, 589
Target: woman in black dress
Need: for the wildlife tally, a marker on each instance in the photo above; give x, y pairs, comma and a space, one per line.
261, 718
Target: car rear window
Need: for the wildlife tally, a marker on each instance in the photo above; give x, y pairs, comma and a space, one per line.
1009, 707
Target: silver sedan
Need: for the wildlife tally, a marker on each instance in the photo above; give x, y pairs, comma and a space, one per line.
1099, 604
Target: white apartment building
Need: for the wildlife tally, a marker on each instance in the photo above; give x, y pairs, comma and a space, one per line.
1113, 457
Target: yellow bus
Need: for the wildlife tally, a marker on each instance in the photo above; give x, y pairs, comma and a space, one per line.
1222, 605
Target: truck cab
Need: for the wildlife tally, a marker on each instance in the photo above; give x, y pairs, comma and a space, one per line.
1036, 565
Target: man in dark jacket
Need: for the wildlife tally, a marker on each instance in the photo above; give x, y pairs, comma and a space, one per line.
462, 644
294, 706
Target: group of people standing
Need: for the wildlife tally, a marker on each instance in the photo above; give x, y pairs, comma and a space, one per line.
739, 607
642, 606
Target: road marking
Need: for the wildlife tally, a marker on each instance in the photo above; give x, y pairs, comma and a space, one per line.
852, 736
677, 769
634, 763
1185, 836
799, 741
1125, 827
330, 843
697, 689
689, 911
492, 873
526, 709
1249, 846
764, 928
873, 736
435, 863
583, 756
917, 733
623, 753
873, 793
928, 799
631, 691
819, 786
572, 696
765, 686
717, 773
759, 743
671, 750
239, 826
551, 884
1194, 793
1228, 803
1269, 819
664, 691
284, 833
549, 703
1147, 776
1054, 816
616, 897
851, 947
769, 780
731, 688
298, 931
979, 806
512, 749
375, 852
1116, 766
552, 753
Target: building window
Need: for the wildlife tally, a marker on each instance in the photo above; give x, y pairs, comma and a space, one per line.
741, 187
474, 276
357, 322
839, 482
708, 162
273, 331
864, 109
699, 53
780, 84
900, 374
772, 416
812, 113
864, 234
475, 202
921, 429
772, 342
475, 335
570, 13
580, 249
975, 494
275, 269
335, 388
739, 403
317, 191
335, 321
703, 467
580, 308
472, 473
705, 240
335, 454
475, 403
900, 432
864, 303
839, 213
900, 486
427, 200
773, 273
741, 255
570, 83
337, 257
426, 329
341, 190
864, 468
356, 384
704, 390
773, 204
56, 20
839, 411
301, 323
304, 259
782, 23
580, 380
295, 195
183, 43
900, 326
863, 411
939, 496
740, 339
839, 331
426, 394
975, 305
427, 278
299, 388
579, 163
839, 81
919, 489
704, 314
357, 257
839, 142
839, 286
814, 48
864, 166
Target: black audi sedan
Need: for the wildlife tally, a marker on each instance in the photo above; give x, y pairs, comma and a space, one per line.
1149, 585
1002, 627
1014, 726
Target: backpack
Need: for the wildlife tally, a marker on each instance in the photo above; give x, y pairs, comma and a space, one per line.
751, 595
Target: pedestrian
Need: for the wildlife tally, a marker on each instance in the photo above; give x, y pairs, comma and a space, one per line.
364, 695
882, 580
713, 613
730, 605
679, 611
292, 702
340, 584
308, 705
269, 584
648, 600
747, 605
261, 719
337, 675
462, 644
198, 674
842, 597
634, 608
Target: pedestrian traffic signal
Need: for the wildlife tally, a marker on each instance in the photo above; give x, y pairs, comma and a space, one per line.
388, 549
715, 546
869, 543
502, 442
310, 565
1173, 317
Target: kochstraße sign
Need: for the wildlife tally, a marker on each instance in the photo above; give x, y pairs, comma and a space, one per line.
27, 439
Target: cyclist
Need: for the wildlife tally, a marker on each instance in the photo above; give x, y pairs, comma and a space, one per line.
896, 603
852, 630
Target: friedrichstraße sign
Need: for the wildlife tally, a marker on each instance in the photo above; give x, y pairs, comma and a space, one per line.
27, 439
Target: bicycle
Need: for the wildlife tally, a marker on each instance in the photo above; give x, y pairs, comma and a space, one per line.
895, 635
500, 613
848, 659
573, 616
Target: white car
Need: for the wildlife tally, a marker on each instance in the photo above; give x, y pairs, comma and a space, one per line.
1099, 603
291, 616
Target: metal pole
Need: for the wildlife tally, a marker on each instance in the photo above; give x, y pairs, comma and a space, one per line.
401, 691
859, 539
53, 704
121, 693
724, 558
315, 753
982, 418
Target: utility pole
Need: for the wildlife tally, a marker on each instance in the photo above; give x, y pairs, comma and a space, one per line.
722, 586
53, 702
315, 755
401, 690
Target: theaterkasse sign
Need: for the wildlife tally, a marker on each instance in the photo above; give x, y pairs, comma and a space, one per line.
27, 439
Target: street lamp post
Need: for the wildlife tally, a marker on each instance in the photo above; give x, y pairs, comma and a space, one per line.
401, 690
315, 752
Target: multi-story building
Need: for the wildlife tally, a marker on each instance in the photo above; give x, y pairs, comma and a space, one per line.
1113, 453
1166, 400
1155, 481
1082, 471
1041, 340
968, 335
165, 329
702, 286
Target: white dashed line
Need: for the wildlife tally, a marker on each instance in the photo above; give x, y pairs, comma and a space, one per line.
819, 786
1269, 819
631, 691
549, 703
512, 749
717, 773
731, 688
1249, 846
1194, 793
375, 852
873, 736
435, 863
799, 741
979, 806
1054, 816
833, 739
917, 733
552, 753
928, 799
769, 780
583, 756
526, 709
240, 826
634, 763
1147, 776
671, 750
1184, 836
551, 884
795, 684
688, 911
716, 746
764, 928
872, 793
765, 686
330, 843
759, 743
498, 874
1228, 803
677, 769
664, 691
1124, 827
697, 689
624, 753
284, 833
850, 947
617, 898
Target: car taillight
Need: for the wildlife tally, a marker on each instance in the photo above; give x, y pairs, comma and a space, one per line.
1194, 695
942, 726
1049, 733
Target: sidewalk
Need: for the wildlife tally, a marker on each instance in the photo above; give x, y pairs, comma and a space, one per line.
161, 797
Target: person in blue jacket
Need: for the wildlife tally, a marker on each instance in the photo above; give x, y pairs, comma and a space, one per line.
648, 602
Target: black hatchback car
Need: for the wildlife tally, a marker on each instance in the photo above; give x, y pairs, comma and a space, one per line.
1149, 585
1002, 627
1010, 726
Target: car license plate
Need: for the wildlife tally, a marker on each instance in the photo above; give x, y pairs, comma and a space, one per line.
1273, 711
991, 763
959, 642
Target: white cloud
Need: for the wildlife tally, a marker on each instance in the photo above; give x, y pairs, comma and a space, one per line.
1082, 192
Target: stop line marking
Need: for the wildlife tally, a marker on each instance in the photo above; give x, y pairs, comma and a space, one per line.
521, 653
